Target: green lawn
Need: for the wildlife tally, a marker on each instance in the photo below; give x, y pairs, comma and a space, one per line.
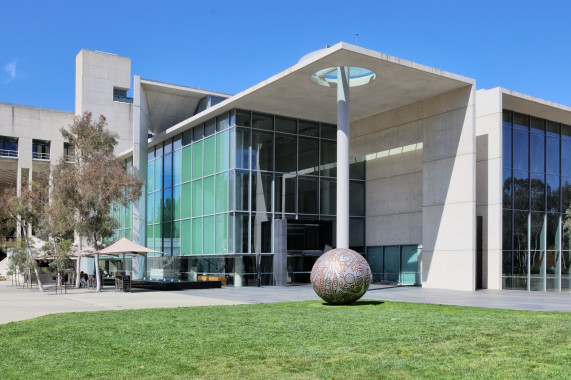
302, 340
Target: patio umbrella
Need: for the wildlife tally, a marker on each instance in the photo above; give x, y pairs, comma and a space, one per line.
126, 246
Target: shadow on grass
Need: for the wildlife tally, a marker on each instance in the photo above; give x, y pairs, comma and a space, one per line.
359, 303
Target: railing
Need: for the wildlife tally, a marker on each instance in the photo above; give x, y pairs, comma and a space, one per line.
124, 99
69, 158
40, 156
8, 153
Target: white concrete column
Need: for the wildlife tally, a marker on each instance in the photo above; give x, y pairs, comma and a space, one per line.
238, 270
343, 157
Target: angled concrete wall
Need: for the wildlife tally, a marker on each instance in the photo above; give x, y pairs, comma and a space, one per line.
489, 180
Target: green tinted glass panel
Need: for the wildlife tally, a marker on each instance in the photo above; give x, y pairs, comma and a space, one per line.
208, 195
150, 236
186, 163
150, 176
186, 200
185, 234
197, 236
208, 242
222, 192
129, 219
158, 238
177, 167
158, 173
197, 160
222, 151
158, 207
176, 238
209, 155
197, 198
222, 233
150, 207
128, 233
176, 202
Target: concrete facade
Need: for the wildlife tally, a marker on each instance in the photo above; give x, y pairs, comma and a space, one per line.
432, 146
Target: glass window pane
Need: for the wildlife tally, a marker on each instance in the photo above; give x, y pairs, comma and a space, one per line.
242, 148
262, 151
507, 147
566, 158
261, 232
328, 164
159, 150
552, 128
262, 121
328, 131
222, 233
209, 155
537, 153
243, 118
158, 173
552, 191
208, 233
209, 195
209, 127
158, 207
186, 200
222, 122
553, 232
150, 177
167, 170
241, 229
198, 133
285, 190
197, 160
186, 163
565, 193
167, 238
520, 150
520, 230
222, 192
520, 263
150, 207
187, 137
242, 185
507, 230
167, 146
307, 197
565, 132
150, 153
507, 265
177, 167
176, 238
521, 121
537, 231
536, 259
286, 124
176, 202
357, 234
537, 125
357, 168
197, 236
222, 151
521, 190
262, 192
537, 192
308, 156
197, 198
357, 199
507, 188
308, 128
286, 153
150, 237
507, 118
328, 197
177, 142
167, 204
158, 238
552, 153
185, 235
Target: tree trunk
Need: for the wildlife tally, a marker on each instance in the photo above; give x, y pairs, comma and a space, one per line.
31, 257
97, 276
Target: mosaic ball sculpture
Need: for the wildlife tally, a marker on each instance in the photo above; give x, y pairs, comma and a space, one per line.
341, 276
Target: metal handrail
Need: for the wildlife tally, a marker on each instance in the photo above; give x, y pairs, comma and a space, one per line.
40, 156
8, 153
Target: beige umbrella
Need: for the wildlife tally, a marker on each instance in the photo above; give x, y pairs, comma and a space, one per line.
126, 246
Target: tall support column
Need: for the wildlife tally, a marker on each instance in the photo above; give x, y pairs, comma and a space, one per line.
343, 157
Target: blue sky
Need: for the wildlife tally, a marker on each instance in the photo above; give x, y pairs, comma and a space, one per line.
229, 46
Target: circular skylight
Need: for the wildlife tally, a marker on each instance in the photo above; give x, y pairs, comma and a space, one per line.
358, 76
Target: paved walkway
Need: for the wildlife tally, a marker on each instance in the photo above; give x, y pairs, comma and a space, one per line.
18, 304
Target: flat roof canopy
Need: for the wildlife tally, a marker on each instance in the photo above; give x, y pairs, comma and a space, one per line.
292, 92
529, 105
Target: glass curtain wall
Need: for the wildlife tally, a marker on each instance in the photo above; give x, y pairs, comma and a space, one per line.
214, 190
536, 195
123, 214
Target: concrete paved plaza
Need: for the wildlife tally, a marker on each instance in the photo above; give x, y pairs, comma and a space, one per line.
19, 304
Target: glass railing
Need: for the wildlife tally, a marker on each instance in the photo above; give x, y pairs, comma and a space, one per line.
124, 99
8, 153
40, 156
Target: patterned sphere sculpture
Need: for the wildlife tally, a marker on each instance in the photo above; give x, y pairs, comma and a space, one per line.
341, 276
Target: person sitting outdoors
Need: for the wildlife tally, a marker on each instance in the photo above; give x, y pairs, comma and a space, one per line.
83, 280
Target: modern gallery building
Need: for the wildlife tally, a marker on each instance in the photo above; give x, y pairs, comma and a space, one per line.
448, 187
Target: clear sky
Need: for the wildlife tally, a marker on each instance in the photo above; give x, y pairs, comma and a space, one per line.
229, 46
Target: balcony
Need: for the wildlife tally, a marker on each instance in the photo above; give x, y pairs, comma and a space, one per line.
9, 153
40, 156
